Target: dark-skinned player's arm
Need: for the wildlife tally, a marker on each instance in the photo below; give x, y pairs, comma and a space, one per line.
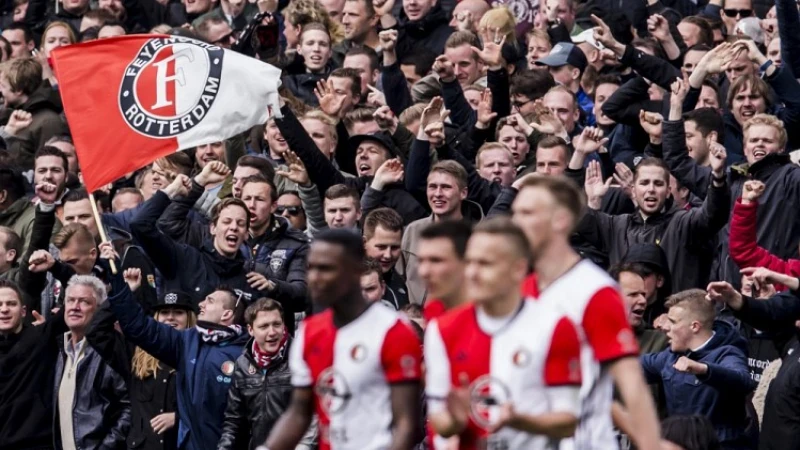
405, 398
401, 358
294, 422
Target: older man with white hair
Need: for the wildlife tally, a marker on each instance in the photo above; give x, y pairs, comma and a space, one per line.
91, 395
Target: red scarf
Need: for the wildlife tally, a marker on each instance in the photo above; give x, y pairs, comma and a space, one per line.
264, 359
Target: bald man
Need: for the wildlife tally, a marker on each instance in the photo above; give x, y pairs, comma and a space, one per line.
477, 7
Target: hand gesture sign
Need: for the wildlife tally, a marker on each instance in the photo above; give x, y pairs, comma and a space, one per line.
752, 191
589, 141
18, 121
214, 172
295, 170
390, 172
133, 276
330, 102
444, 69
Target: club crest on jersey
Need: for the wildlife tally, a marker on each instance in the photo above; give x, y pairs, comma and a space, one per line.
487, 395
521, 358
227, 368
408, 364
358, 353
626, 340
170, 85
333, 391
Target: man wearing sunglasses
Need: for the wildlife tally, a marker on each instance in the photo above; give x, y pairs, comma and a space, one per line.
733, 11
290, 207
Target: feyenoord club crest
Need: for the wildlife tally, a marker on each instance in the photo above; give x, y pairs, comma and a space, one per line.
170, 86
171, 298
333, 391
486, 395
227, 368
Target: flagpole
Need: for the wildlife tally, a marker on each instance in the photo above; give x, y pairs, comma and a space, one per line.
103, 237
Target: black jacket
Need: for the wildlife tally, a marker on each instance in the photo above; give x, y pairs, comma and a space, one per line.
101, 412
684, 235
183, 267
303, 84
778, 232
150, 397
279, 254
430, 33
256, 399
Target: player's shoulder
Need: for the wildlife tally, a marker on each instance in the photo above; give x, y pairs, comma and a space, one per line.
584, 281
318, 326
459, 316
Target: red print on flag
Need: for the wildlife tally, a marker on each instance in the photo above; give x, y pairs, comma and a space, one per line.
133, 99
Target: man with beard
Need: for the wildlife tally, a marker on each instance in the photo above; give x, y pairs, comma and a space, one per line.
360, 22
682, 234
261, 388
203, 355
548, 210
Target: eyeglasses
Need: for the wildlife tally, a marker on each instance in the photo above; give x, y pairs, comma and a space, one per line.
732, 12
225, 39
292, 210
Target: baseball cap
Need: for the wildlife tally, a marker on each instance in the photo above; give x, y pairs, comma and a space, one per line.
587, 36
563, 54
175, 299
380, 137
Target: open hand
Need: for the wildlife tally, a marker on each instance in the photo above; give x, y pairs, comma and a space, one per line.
295, 169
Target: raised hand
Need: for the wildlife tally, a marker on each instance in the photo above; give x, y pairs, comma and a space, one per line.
484, 111
295, 169
752, 191
435, 132
133, 277
386, 119
444, 69
679, 89
107, 251
718, 59
388, 40
46, 192
431, 114
375, 97
492, 54
383, 7
40, 261
180, 186
214, 172
602, 33
38, 319
548, 123
330, 102
717, 157
390, 172
589, 141
18, 121
519, 124
594, 186
723, 292
624, 177
651, 123
764, 278
751, 49
658, 27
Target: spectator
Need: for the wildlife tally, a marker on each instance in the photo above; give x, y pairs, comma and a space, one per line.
383, 235
154, 403
260, 391
236, 14
360, 21
373, 287
290, 207
631, 279
93, 407
314, 45
710, 358
20, 83
20, 38
342, 207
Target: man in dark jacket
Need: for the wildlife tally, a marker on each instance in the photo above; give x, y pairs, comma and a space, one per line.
271, 250
262, 387
39, 14
93, 410
198, 270
203, 356
705, 369
682, 234
422, 24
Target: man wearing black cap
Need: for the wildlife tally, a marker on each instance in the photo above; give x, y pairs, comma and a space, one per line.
371, 152
567, 63
655, 271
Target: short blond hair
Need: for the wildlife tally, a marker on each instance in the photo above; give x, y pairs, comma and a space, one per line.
23, 74
412, 114
694, 301
489, 146
768, 120
501, 18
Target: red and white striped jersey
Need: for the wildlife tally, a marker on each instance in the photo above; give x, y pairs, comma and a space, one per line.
351, 370
589, 297
531, 360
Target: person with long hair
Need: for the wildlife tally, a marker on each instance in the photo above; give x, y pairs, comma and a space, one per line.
57, 34
152, 386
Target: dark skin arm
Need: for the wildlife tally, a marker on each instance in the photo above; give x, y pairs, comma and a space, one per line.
405, 415
292, 425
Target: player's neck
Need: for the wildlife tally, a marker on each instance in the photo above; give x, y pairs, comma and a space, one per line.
502, 306
456, 298
555, 261
348, 310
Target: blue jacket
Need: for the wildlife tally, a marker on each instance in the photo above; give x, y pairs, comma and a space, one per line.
720, 394
204, 370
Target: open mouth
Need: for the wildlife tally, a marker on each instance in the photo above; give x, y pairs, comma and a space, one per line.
232, 240
317, 59
650, 202
748, 113
364, 169
497, 180
438, 203
759, 153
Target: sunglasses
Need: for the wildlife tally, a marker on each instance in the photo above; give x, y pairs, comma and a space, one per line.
227, 38
292, 210
731, 12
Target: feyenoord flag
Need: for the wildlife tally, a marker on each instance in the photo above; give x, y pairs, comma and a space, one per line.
133, 99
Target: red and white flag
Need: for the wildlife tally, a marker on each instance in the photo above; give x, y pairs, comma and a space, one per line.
133, 99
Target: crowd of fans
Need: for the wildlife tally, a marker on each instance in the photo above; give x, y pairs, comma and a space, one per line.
641, 146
